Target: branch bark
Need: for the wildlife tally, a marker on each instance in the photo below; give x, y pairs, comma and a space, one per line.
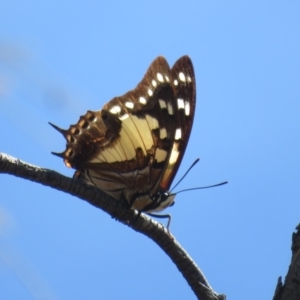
138, 222
290, 290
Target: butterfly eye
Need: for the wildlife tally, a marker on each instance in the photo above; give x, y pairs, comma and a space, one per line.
165, 196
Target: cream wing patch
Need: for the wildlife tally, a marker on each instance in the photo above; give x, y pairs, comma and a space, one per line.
139, 133
160, 155
135, 133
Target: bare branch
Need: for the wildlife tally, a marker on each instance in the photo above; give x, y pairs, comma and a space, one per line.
116, 209
290, 290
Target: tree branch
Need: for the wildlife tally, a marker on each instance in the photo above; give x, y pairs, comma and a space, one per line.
290, 290
139, 222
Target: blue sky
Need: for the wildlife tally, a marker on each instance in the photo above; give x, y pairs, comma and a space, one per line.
61, 58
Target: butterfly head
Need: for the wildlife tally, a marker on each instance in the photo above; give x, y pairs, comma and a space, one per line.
166, 199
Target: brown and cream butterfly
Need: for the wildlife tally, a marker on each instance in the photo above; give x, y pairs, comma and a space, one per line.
133, 147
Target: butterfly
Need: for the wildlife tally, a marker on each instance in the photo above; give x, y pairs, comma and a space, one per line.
132, 148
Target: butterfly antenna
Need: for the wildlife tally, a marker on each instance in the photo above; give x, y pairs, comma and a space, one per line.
189, 169
203, 187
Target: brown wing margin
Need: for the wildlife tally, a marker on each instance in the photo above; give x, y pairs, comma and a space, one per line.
184, 86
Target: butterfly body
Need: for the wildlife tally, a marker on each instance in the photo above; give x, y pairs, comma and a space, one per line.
132, 148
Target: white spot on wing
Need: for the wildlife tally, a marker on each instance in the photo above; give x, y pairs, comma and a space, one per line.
115, 109
124, 117
170, 109
154, 83
178, 134
172, 161
174, 155
160, 77
189, 79
181, 76
187, 108
162, 133
142, 100
167, 78
162, 103
175, 82
129, 104
180, 103
160, 155
150, 93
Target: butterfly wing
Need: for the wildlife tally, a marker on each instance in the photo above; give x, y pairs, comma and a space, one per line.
135, 144
184, 87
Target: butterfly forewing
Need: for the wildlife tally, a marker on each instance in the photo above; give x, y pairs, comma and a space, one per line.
133, 147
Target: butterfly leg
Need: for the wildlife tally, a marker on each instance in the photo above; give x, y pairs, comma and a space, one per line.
167, 216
